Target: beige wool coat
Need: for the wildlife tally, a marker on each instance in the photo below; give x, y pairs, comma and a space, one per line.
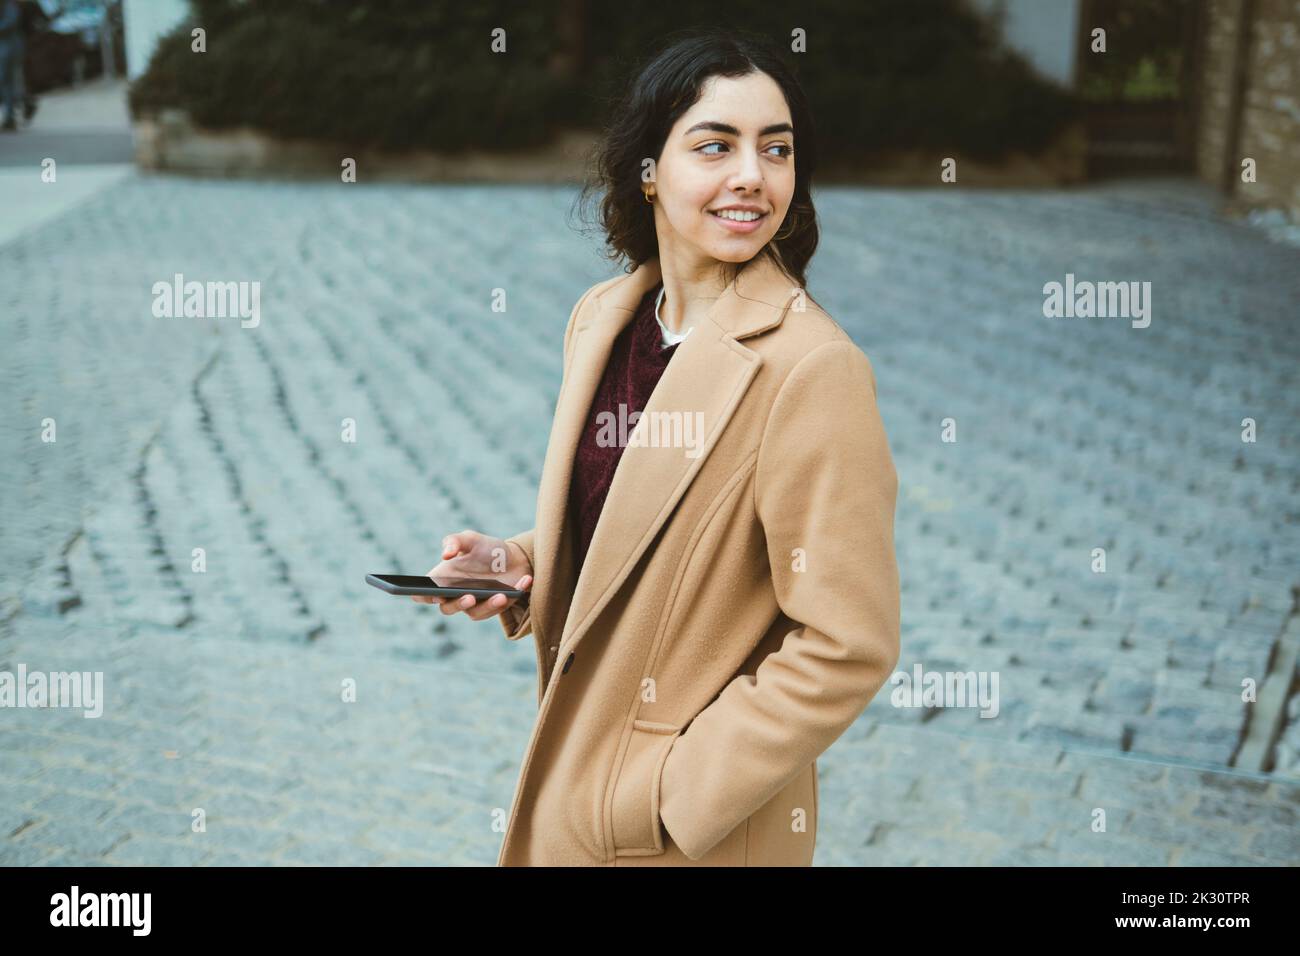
739, 604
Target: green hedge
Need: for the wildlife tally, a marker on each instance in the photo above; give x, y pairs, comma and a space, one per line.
419, 73
399, 74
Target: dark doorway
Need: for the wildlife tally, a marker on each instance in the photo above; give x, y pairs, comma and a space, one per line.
1139, 96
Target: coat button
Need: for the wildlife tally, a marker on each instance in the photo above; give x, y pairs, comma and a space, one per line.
567, 663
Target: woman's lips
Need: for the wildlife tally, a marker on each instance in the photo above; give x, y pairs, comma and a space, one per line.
734, 226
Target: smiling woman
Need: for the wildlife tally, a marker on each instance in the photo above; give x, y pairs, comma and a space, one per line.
724, 187
708, 620
712, 123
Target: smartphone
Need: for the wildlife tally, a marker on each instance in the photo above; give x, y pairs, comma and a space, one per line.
481, 588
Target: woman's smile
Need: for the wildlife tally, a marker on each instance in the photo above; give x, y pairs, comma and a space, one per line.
734, 220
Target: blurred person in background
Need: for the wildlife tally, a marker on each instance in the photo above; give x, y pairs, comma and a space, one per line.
31, 16
11, 59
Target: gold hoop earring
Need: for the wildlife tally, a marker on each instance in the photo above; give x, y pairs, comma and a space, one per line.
647, 198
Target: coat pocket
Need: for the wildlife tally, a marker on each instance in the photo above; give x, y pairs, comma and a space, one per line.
634, 814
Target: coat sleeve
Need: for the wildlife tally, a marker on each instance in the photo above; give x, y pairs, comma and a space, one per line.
825, 484
517, 621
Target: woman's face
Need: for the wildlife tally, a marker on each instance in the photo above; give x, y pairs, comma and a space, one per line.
734, 147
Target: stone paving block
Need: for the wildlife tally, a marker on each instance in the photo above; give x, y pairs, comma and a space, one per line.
74, 805
1036, 856
147, 851
416, 840
13, 819
1115, 849
1279, 847
148, 820
243, 838
329, 853
1052, 780
1166, 826
13, 853
307, 822
1063, 810
88, 837
1196, 856
1220, 807
232, 858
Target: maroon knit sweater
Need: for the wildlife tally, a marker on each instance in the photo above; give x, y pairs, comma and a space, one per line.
635, 365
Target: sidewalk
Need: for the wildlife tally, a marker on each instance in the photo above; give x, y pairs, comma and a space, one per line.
1120, 692
87, 132
88, 125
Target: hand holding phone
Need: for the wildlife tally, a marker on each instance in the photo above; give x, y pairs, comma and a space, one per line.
470, 554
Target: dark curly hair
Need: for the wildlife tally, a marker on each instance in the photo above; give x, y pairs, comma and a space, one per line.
664, 87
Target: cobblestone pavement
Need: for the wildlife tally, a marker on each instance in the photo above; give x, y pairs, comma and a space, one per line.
1119, 692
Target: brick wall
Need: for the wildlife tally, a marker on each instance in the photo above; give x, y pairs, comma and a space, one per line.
1269, 123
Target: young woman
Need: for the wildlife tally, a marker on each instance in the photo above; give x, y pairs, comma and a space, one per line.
716, 594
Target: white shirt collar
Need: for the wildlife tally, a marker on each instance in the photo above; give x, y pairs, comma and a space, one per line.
670, 337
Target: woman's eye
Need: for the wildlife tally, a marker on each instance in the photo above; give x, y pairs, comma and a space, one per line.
786, 150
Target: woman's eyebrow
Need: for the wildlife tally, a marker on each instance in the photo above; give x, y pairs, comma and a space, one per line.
717, 127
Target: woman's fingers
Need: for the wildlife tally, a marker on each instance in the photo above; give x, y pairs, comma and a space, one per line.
451, 605
489, 608
476, 610
459, 543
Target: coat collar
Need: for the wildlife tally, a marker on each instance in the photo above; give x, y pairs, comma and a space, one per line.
703, 383
753, 303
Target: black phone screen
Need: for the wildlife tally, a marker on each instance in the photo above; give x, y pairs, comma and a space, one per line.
423, 581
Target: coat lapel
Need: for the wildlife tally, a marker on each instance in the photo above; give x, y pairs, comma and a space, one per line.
691, 405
